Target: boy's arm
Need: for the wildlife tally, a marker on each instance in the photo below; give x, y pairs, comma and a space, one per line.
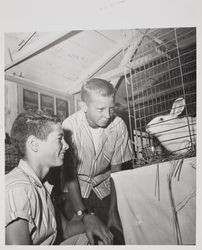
116, 168
17, 233
74, 192
70, 228
92, 224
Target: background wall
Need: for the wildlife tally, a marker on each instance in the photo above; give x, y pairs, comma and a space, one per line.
11, 108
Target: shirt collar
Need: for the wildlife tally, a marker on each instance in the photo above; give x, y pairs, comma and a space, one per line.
23, 165
105, 133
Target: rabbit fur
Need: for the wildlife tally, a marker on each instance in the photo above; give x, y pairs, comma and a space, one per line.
176, 134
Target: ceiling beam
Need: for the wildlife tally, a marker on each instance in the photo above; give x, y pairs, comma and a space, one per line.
117, 48
160, 43
29, 83
39, 46
133, 48
124, 68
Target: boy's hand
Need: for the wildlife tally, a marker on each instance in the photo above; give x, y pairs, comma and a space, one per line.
96, 228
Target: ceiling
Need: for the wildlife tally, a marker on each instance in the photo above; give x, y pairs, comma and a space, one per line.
62, 60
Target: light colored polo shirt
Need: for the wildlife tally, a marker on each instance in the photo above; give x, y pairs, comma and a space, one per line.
93, 166
27, 198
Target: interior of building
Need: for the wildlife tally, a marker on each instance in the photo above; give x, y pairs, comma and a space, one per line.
151, 70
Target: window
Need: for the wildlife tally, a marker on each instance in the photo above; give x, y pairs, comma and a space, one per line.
61, 109
47, 104
51, 104
30, 100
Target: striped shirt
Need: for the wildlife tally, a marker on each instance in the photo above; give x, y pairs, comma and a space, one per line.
27, 198
93, 166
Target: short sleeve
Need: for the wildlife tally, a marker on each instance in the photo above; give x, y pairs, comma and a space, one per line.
17, 204
122, 150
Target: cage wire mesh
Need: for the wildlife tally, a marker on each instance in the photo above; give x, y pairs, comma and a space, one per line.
161, 72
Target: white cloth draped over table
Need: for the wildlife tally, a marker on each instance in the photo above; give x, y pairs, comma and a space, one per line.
145, 208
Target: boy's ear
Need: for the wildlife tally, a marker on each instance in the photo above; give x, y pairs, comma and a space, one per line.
83, 106
33, 143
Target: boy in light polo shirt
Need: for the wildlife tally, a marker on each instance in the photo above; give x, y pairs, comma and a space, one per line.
99, 144
30, 215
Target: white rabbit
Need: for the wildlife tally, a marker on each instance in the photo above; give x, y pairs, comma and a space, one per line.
175, 134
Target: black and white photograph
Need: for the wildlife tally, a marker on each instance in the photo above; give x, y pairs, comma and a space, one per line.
100, 133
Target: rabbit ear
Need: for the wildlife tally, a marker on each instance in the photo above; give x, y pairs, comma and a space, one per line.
178, 107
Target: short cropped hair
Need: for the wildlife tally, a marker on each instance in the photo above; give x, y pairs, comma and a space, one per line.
38, 124
96, 86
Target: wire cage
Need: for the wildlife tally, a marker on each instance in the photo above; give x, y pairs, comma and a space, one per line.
158, 89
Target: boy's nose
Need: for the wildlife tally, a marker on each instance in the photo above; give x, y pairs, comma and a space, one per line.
65, 145
107, 113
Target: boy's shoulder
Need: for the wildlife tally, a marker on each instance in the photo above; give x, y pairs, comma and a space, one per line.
117, 121
73, 119
16, 177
